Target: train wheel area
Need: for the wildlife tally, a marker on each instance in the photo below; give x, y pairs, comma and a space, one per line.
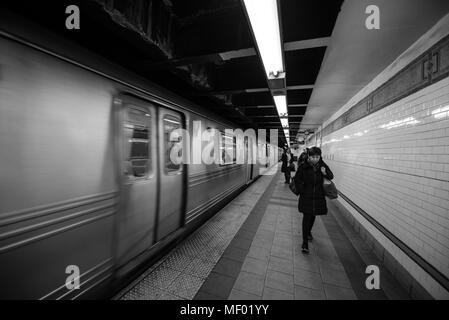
251, 250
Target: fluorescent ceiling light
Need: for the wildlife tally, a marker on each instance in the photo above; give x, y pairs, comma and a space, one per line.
264, 20
281, 105
284, 122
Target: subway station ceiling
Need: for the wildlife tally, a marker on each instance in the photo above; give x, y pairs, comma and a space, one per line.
203, 50
356, 55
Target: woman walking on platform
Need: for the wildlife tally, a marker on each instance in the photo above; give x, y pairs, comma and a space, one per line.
312, 202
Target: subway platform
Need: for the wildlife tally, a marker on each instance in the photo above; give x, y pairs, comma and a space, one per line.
251, 250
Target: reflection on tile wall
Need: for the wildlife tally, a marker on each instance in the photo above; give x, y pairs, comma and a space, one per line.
394, 164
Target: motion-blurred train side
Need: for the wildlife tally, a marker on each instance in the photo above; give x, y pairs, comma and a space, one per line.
85, 178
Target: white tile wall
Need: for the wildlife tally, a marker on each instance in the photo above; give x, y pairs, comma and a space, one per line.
427, 40
394, 164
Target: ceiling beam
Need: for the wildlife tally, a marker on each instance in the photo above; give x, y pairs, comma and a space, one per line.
234, 54
288, 46
253, 90
270, 127
307, 44
268, 116
251, 108
271, 112
229, 55
276, 122
299, 105
294, 126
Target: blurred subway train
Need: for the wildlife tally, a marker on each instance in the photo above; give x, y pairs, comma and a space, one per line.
85, 174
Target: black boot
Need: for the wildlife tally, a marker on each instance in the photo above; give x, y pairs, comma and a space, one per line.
305, 247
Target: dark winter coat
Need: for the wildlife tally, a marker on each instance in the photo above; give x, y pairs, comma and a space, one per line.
309, 182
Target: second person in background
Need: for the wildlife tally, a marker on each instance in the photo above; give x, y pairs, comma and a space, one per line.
287, 164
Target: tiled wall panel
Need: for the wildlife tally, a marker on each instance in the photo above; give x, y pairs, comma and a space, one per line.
394, 164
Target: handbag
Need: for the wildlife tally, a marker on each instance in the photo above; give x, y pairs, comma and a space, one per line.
292, 187
330, 190
292, 167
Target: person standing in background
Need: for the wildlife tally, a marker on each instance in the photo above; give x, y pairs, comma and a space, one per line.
287, 160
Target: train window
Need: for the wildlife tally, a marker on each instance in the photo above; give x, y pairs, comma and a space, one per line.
228, 149
173, 143
137, 143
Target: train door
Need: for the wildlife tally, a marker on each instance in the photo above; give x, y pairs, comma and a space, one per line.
138, 164
171, 173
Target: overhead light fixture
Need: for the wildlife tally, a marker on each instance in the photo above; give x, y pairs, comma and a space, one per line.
281, 105
264, 19
284, 122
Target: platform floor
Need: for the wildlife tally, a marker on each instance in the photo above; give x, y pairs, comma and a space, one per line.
251, 250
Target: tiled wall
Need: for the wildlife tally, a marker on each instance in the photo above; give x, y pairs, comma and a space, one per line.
394, 164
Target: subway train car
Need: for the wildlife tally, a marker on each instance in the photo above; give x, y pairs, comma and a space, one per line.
86, 182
